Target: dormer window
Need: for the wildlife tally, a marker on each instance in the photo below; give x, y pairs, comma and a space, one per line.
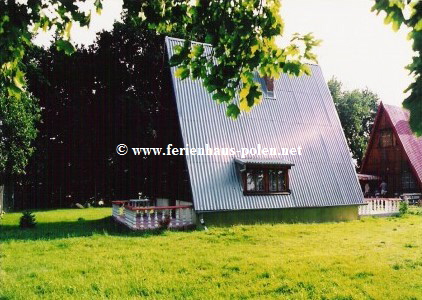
264, 177
269, 87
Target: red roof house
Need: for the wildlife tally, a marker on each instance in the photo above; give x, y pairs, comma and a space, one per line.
394, 153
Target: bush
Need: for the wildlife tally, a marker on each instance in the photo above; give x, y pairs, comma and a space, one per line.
27, 220
404, 208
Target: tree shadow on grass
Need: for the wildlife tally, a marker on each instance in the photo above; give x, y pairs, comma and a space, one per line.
80, 228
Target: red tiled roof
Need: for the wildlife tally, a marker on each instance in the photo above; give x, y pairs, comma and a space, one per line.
412, 145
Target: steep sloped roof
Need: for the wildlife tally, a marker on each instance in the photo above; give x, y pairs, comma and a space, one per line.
412, 145
302, 113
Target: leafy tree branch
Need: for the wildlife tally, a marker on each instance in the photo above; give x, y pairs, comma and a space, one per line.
409, 14
241, 32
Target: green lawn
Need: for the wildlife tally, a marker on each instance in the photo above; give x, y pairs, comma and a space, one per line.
93, 258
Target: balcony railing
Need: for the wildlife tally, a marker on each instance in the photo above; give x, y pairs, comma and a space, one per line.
153, 217
380, 206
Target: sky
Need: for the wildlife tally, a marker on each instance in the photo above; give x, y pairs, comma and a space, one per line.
357, 48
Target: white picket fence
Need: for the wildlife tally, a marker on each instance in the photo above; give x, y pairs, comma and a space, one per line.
380, 206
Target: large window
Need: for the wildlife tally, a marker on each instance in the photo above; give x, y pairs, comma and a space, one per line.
407, 180
266, 181
386, 138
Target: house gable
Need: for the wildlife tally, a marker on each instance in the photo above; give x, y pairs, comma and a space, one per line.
399, 163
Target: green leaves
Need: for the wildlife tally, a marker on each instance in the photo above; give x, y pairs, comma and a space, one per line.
254, 95
197, 50
305, 69
418, 26
292, 68
98, 6
175, 60
180, 54
182, 73
232, 111
221, 97
19, 80
19, 116
414, 104
13, 91
65, 46
292, 50
242, 35
210, 39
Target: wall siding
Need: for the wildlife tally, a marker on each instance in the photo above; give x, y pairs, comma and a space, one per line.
286, 215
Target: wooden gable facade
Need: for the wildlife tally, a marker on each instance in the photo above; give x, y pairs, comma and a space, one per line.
393, 152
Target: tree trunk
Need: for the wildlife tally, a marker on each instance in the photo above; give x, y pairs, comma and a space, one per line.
1, 197
7, 195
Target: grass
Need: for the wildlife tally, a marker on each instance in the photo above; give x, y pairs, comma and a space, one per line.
82, 254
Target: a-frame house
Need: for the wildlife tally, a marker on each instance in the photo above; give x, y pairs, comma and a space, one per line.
394, 153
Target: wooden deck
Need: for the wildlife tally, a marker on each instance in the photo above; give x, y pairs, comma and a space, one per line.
144, 224
153, 217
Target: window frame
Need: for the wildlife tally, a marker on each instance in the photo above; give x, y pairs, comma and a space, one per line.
266, 180
277, 181
269, 87
408, 182
390, 132
255, 173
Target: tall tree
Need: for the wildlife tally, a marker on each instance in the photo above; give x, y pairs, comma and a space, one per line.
18, 118
117, 91
356, 110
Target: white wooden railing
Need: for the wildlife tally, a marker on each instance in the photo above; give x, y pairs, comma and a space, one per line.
143, 218
117, 208
380, 206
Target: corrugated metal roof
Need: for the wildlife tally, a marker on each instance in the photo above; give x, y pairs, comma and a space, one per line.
258, 161
302, 114
412, 145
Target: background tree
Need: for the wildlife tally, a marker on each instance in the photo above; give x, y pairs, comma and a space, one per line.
409, 14
357, 110
117, 91
18, 118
